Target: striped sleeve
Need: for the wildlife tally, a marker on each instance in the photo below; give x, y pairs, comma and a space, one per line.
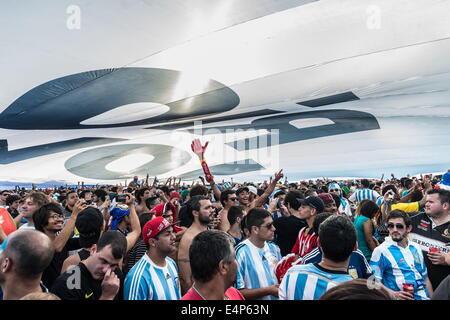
376, 263
240, 259
136, 286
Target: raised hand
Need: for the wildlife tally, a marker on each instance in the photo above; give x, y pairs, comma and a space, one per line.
198, 149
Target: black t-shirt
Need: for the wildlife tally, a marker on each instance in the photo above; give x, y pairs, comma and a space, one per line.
426, 237
287, 229
67, 288
54, 269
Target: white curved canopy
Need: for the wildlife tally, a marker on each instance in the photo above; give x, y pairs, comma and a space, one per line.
320, 88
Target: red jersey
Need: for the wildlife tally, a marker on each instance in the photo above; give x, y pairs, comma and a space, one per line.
305, 242
231, 294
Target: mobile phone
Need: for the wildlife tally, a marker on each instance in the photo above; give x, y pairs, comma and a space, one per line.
121, 198
279, 204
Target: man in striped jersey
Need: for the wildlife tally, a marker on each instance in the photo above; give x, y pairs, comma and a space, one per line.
337, 238
155, 276
398, 261
365, 193
257, 258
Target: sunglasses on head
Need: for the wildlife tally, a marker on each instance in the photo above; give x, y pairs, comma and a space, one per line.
399, 226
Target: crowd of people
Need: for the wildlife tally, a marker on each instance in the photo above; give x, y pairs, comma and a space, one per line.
380, 239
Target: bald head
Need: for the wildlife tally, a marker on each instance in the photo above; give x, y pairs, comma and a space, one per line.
30, 252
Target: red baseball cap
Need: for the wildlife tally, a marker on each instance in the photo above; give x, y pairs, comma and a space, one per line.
154, 227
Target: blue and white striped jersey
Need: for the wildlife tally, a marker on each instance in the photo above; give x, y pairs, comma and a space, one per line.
365, 194
147, 281
358, 266
309, 282
393, 266
256, 266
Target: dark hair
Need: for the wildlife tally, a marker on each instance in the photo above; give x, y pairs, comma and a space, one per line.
387, 188
407, 183
368, 209
30, 255
233, 213
255, 217
101, 194
144, 218
208, 248
149, 202
292, 198
83, 193
11, 198
140, 194
71, 191
365, 183
336, 199
321, 217
416, 196
279, 193
198, 190
195, 202
117, 241
444, 195
337, 237
394, 214
357, 289
41, 216
224, 196
165, 189
114, 189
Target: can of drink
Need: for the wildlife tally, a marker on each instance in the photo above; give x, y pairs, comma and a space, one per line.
408, 287
435, 250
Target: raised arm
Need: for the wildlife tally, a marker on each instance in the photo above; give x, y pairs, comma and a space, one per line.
133, 236
261, 200
62, 238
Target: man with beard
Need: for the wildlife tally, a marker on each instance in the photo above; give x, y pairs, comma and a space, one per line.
399, 264
202, 212
155, 275
214, 268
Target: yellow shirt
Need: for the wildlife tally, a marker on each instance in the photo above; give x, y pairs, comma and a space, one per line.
407, 207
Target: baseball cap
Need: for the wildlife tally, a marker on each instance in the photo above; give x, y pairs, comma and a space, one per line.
314, 202
89, 224
175, 194
89, 220
252, 189
154, 227
326, 198
242, 189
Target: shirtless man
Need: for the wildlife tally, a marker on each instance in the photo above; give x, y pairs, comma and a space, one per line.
203, 213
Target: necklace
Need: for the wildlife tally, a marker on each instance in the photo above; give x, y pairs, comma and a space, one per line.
201, 296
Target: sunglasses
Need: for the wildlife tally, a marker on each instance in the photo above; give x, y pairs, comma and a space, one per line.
399, 226
232, 199
268, 226
331, 190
